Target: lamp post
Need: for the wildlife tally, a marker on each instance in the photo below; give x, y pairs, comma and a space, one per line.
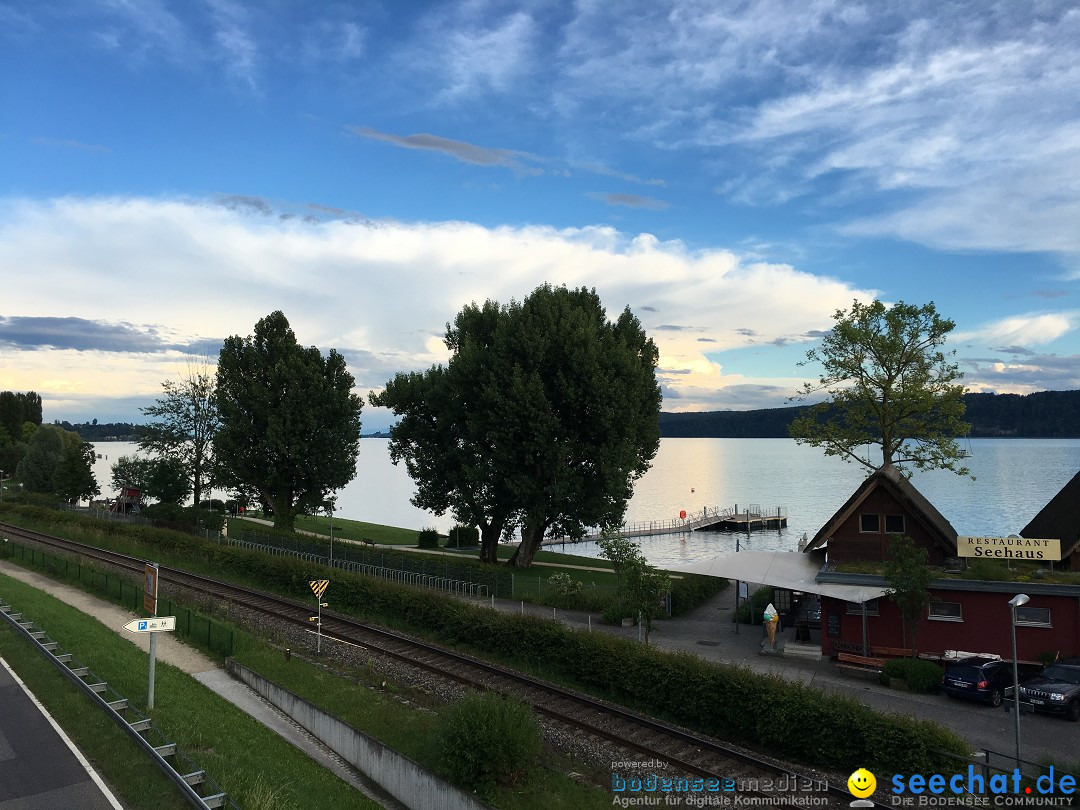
1014, 603
330, 508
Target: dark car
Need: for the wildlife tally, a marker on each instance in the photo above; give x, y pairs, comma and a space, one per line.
1056, 690
983, 678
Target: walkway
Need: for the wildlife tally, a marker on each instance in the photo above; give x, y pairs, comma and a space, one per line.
173, 651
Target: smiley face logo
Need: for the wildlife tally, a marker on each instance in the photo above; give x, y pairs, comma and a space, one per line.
861, 783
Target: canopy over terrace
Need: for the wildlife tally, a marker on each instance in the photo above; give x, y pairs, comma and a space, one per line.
793, 570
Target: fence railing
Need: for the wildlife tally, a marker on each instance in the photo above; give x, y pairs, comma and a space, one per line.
405, 568
217, 637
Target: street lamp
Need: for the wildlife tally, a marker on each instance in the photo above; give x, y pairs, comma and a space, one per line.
1014, 603
330, 508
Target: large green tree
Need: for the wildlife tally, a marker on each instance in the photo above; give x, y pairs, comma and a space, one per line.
20, 416
164, 478
908, 574
185, 419
290, 424
889, 385
543, 419
58, 462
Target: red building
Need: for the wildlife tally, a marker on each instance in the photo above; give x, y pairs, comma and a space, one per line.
966, 615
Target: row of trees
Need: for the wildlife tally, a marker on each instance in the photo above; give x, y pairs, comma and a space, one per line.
541, 421
543, 418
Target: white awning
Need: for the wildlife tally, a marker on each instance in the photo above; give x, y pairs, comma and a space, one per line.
794, 570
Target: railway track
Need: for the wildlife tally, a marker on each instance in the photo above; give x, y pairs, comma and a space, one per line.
742, 778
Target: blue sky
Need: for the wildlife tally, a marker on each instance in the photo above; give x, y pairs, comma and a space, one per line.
170, 172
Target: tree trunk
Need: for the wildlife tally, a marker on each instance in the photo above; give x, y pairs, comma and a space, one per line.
284, 513
489, 542
531, 535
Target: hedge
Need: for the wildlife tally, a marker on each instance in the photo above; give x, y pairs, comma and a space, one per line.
784, 718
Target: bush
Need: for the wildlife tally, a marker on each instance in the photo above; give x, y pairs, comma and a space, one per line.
690, 590
751, 610
487, 740
463, 537
428, 538
921, 676
564, 591
614, 614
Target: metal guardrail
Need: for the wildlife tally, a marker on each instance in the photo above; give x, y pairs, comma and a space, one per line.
458, 587
118, 708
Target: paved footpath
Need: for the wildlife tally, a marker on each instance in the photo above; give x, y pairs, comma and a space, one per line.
708, 632
204, 670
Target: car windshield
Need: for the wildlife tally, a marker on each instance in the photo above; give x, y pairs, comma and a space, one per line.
1060, 673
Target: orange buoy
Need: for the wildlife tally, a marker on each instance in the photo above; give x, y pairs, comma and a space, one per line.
682, 514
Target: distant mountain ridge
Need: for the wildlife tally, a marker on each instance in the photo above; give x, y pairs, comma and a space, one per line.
1044, 414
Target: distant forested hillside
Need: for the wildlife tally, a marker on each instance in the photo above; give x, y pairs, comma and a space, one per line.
104, 431
1046, 414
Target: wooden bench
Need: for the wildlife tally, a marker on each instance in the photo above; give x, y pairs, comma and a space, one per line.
860, 663
890, 652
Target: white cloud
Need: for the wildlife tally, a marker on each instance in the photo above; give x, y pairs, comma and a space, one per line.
1020, 330
464, 51
380, 292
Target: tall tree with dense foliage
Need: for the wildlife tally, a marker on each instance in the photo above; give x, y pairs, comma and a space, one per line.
544, 417
20, 416
908, 574
290, 424
890, 385
444, 431
164, 478
185, 419
58, 462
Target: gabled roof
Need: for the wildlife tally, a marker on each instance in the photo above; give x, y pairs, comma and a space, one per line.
913, 501
1059, 519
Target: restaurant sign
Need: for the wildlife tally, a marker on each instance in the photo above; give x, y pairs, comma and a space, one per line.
1009, 548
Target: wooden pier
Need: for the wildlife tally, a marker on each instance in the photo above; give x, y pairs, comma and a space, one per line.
717, 519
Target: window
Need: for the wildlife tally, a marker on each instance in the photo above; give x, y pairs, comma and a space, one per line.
870, 524
946, 611
894, 524
856, 608
1033, 615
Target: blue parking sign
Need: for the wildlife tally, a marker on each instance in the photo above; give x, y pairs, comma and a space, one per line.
142, 625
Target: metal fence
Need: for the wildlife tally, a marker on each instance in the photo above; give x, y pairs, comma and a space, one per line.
403, 568
191, 624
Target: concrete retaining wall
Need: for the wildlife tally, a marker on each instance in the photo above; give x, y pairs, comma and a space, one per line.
405, 780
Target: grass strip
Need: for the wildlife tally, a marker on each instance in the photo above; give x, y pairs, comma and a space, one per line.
405, 719
256, 767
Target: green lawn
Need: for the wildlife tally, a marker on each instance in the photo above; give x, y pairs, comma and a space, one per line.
253, 764
245, 758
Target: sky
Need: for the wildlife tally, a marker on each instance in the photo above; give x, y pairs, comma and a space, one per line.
733, 172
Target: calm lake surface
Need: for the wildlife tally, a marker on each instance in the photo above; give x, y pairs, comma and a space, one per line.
1014, 480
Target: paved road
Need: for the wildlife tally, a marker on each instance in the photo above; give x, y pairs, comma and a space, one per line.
707, 631
40, 769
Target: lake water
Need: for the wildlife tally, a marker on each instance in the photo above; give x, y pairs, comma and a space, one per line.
1014, 480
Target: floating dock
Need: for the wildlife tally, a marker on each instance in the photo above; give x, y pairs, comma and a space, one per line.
717, 519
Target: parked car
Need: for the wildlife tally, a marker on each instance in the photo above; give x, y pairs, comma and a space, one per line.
1056, 690
982, 678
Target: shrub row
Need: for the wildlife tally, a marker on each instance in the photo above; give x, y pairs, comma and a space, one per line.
921, 676
731, 702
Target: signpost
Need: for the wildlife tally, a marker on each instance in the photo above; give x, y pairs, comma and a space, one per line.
158, 624
150, 606
318, 587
